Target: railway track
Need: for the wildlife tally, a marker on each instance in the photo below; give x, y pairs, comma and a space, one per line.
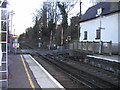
87, 79
95, 71
66, 80
81, 73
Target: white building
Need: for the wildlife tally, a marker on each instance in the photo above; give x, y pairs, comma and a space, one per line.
102, 23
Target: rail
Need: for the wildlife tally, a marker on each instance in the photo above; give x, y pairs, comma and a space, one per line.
92, 82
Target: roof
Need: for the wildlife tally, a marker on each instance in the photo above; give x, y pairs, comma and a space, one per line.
108, 8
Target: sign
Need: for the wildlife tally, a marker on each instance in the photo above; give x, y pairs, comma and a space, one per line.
39, 44
69, 38
16, 45
99, 11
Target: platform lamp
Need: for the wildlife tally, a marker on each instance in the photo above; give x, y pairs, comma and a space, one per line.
99, 13
11, 13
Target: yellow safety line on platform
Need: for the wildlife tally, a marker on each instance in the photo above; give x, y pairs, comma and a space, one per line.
28, 75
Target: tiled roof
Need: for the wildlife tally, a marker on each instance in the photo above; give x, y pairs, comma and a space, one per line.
92, 11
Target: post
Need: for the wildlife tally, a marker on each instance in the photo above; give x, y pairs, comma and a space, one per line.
73, 46
11, 31
80, 8
78, 44
100, 47
100, 43
93, 48
79, 34
62, 37
81, 45
87, 46
110, 48
50, 40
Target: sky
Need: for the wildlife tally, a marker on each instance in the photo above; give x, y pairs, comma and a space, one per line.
23, 17
24, 9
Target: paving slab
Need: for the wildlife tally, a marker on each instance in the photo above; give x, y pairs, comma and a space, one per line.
44, 79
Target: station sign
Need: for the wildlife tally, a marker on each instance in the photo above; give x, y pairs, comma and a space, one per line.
16, 45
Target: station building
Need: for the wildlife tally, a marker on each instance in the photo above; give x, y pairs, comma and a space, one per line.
101, 22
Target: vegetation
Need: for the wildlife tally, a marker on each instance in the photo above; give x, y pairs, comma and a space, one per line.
51, 18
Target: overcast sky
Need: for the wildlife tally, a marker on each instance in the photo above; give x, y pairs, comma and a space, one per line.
24, 10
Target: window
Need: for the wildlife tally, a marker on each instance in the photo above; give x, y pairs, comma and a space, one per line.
98, 33
85, 35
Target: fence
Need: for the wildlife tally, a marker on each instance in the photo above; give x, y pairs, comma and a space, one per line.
92, 46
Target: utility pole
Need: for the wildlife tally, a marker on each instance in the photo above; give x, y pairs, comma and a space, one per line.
80, 18
80, 8
11, 14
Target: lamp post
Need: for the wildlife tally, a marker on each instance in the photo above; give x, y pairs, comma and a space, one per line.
79, 28
11, 14
11, 27
99, 12
100, 48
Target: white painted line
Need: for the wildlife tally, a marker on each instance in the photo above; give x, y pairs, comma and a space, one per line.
113, 60
50, 76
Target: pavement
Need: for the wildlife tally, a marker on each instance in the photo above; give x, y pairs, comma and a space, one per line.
112, 58
25, 72
17, 73
115, 57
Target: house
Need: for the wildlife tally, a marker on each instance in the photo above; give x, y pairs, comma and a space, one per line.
102, 23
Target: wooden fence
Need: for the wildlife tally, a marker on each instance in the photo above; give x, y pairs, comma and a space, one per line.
92, 46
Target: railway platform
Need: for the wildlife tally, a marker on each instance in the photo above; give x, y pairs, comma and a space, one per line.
26, 72
112, 58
